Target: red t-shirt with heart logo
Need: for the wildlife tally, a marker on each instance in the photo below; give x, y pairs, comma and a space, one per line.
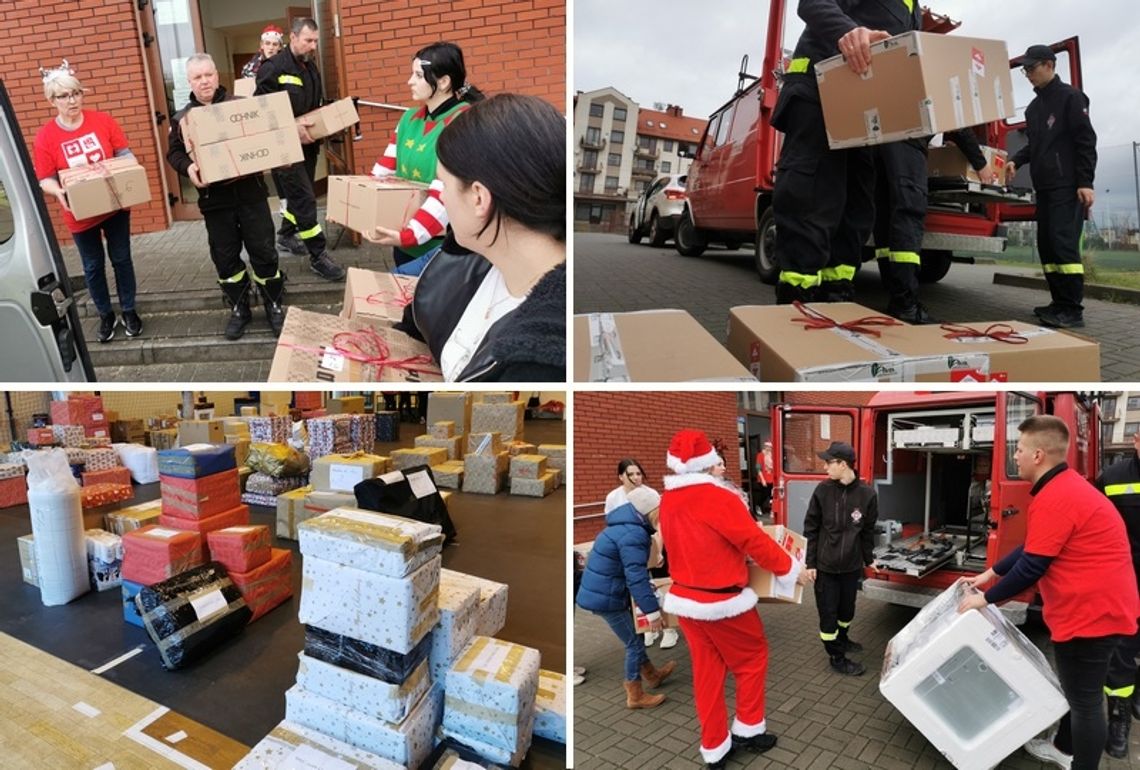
56, 148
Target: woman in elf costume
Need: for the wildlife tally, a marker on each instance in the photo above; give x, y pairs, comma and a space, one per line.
439, 85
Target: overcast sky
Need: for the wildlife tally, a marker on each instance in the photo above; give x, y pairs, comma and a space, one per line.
680, 52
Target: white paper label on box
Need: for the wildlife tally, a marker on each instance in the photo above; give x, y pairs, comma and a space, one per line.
607, 361
873, 124
163, 532
421, 484
975, 98
97, 416
392, 477
999, 95
209, 603
198, 447
956, 97
332, 361
306, 757
344, 476
492, 656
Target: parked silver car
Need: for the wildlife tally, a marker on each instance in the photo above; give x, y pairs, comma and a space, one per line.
656, 211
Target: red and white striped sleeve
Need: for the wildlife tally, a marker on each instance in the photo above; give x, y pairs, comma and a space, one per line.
386, 164
427, 223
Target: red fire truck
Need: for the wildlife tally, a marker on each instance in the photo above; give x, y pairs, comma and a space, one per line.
950, 501
730, 181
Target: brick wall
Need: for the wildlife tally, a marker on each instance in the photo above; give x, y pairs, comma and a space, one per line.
610, 426
101, 41
517, 46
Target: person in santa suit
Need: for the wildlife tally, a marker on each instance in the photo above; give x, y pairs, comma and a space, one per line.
709, 534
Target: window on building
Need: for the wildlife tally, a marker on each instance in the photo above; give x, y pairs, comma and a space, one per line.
594, 135
611, 183
597, 110
1131, 429
668, 145
617, 137
586, 183
1133, 402
581, 212
589, 159
619, 113
7, 222
643, 164
1108, 408
666, 167
639, 186
614, 159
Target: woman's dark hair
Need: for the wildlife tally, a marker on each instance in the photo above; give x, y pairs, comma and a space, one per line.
439, 59
626, 464
515, 146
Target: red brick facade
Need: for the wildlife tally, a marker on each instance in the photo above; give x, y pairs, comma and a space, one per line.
610, 426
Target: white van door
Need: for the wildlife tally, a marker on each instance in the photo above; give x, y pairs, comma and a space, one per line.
41, 339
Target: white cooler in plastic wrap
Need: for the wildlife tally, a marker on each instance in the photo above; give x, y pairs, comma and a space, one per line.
141, 461
973, 684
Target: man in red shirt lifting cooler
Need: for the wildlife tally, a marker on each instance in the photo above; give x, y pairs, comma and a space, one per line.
1077, 553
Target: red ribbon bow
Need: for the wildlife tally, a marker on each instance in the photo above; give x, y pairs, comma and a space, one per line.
814, 319
400, 298
999, 332
368, 347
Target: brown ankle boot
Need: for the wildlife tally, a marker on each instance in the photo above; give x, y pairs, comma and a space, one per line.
653, 677
636, 698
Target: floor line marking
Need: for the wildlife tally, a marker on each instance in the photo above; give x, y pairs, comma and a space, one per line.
112, 663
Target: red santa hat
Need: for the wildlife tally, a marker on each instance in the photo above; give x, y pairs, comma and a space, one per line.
690, 452
272, 34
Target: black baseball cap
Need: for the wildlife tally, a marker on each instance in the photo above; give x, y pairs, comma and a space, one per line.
1035, 54
839, 451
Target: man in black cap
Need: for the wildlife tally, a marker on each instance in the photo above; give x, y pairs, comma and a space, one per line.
1061, 152
840, 532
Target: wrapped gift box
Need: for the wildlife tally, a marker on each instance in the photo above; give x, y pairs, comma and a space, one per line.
342, 472
165, 438
528, 466
101, 459
387, 426
336, 598
516, 448
970, 682
330, 435
141, 461
407, 743
555, 455
103, 494
192, 613
266, 586
480, 444
442, 429
371, 697
373, 542
264, 484
271, 430
13, 491
364, 658
448, 475
68, 435
454, 445
550, 706
287, 504
450, 754
241, 548
485, 475
233, 517
104, 559
131, 612
254, 498
490, 696
456, 407
403, 459
540, 487
506, 419
109, 476
497, 397
197, 460
363, 432
196, 498
277, 460
492, 600
124, 520
78, 409
292, 745
27, 550
76, 455
319, 503
128, 431
154, 553
41, 436
458, 616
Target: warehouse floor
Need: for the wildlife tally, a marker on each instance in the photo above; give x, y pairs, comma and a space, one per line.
238, 691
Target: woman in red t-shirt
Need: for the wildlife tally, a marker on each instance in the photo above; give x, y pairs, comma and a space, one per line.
79, 137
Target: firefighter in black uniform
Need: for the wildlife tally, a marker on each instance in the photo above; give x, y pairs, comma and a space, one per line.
823, 201
900, 213
1061, 152
236, 213
293, 71
840, 532
1121, 483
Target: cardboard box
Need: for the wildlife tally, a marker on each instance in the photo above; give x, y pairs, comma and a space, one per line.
247, 155
492, 600
331, 118
627, 347
234, 517
104, 187
287, 507
948, 161
201, 432
485, 444
485, 474
450, 406
268, 585
506, 419
763, 582
153, 554
919, 83
455, 445
133, 517
528, 466
238, 119
640, 621
346, 405
201, 497
342, 472
442, 429
306, 352
769, 340
363, 203
539, 487
402, 459
244, 86
448, 475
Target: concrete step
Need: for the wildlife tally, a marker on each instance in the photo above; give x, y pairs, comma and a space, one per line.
298, 291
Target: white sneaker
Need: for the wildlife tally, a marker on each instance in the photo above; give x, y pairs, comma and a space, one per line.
1043, 749
651, 638
579, 670
669, 638
579, 679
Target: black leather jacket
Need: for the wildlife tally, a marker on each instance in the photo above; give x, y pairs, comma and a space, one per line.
526, 345
840, 526
1061, 147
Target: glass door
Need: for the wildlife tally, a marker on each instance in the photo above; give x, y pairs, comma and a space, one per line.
337, 148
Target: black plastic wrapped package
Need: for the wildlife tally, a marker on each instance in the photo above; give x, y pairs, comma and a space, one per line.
364, 658
396, 497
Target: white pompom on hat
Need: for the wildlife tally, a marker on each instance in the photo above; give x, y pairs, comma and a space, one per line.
644, 499
690, 452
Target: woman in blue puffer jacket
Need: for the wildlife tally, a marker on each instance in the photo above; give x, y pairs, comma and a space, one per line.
617, 567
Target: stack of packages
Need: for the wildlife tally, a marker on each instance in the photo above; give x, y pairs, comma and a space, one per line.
40, 437
68, 435
530, 476
442, 435
275, 470
151, 555
199, 487
333, 435
162, 432
236, 433
83, 411
369, 604
13, 488
486, 463
263, 575
104, 559
127, 431
124, 520
334, 478
101, 466
269, 430
388, 426
232, 139
555, 459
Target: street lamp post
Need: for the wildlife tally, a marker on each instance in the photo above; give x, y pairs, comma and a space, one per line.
1136, 178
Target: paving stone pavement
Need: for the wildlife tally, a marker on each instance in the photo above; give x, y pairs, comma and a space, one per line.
612, 275
822, 720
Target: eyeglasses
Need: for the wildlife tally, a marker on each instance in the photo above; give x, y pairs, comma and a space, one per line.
70, 96
1030, 67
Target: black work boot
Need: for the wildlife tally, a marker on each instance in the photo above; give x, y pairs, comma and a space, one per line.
292, 244
1119, 724
848, 644
1135, 705
107, 324
1061, 318
273, 293
836, 291
237, 297
841, 665
916, 314
323, 266
786, 294
1050, 308
757, 743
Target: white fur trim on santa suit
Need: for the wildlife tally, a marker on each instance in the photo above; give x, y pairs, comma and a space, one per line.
681, 480
677, 465
748, 731
728, 608
717, 754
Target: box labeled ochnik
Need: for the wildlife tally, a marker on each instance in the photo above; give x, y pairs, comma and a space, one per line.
919, 84
237, 118
246, 155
